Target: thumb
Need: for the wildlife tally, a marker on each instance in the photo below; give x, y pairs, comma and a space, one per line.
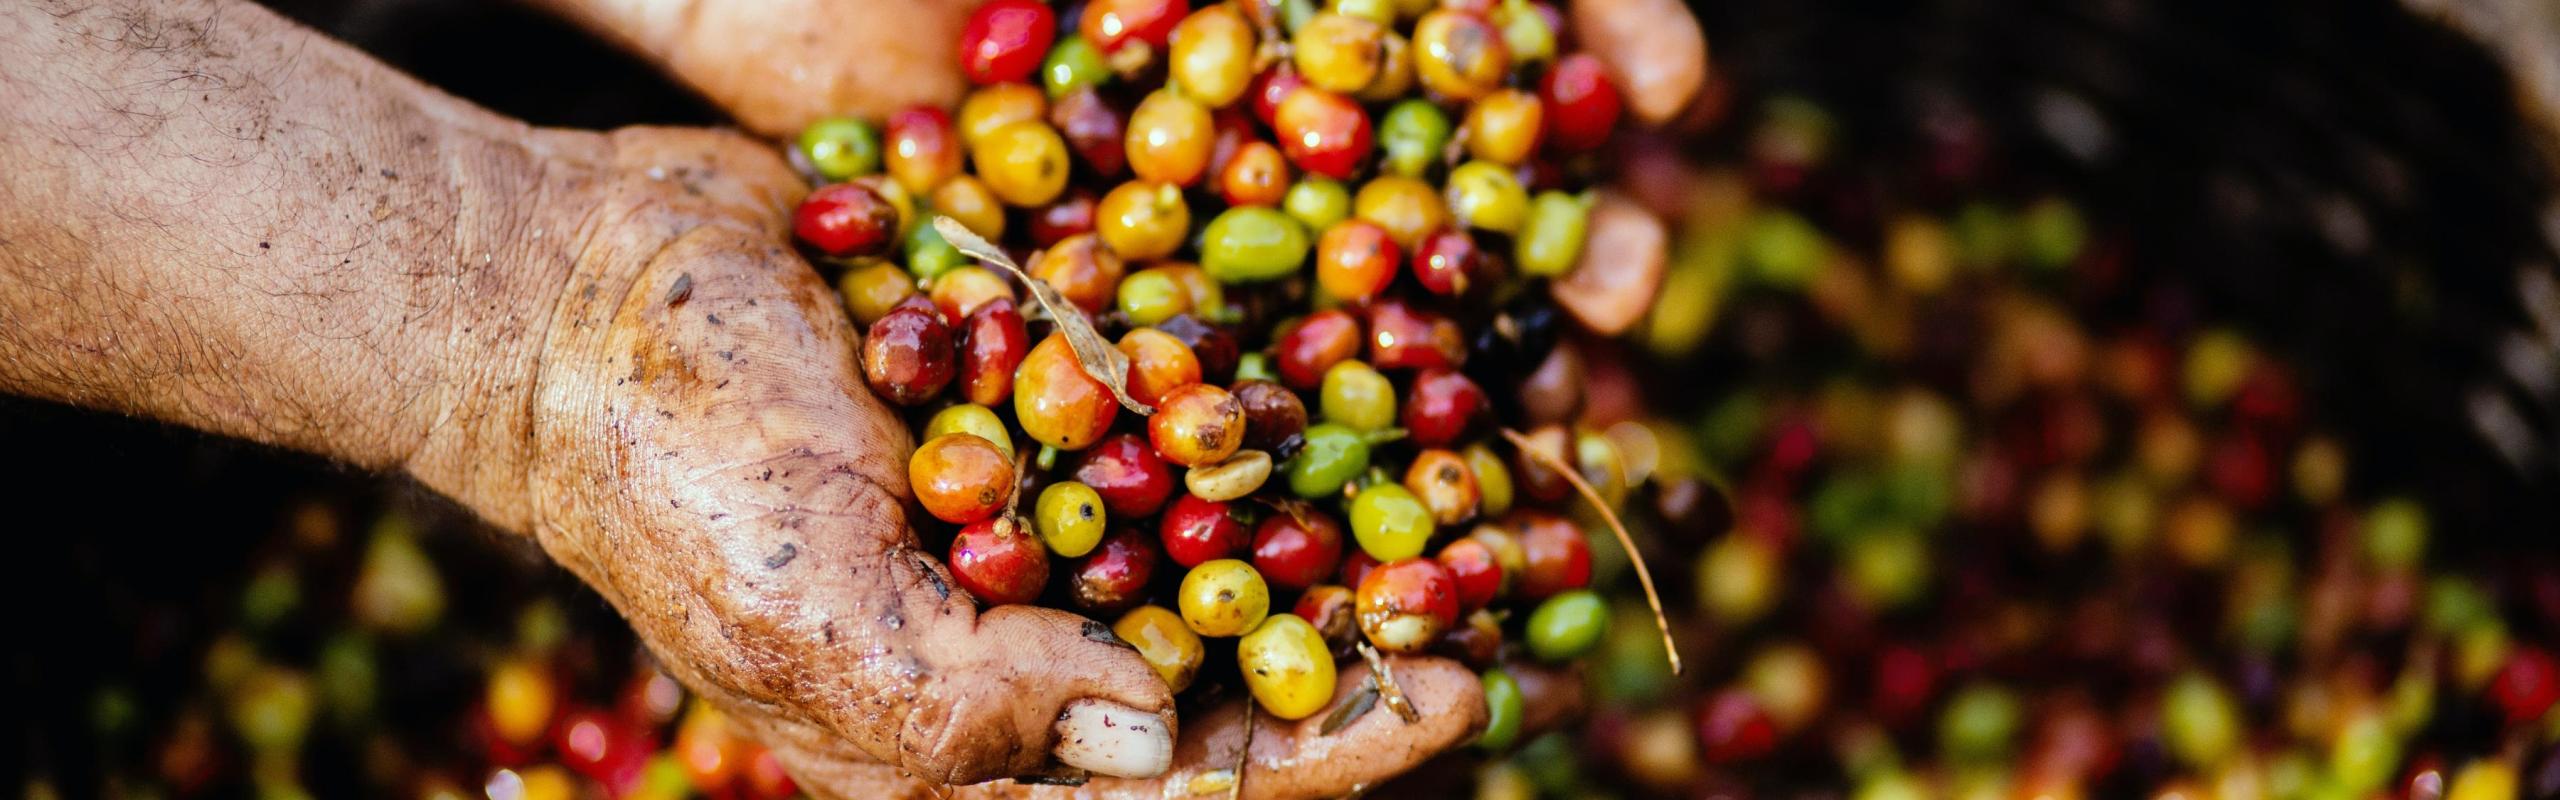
778, 65
1049, 679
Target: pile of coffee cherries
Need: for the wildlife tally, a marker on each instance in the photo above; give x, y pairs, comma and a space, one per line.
344, 663
1300, 245
2013, 516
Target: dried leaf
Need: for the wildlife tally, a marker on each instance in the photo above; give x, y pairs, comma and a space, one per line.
1100, 360
1573, 475
1354, 707
1387, 688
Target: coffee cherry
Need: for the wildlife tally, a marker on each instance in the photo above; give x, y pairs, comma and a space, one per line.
1389, 522
1158, 364
1224, 597
1297, 551
998, 562
1197, 531
1068, 216
1114, 576
1402, 336
1142, 220
1580, 104
1448, 262
992, 347
1095, 131
1474, 572
871, 292
974, 420
840, 148
1413, 135
846, 220
966, 200
1056, 402
1070, 518
1322, 132
922, 150
1317, 202
1257, 175
1082, 269
1440, 410
1074, 64
1213, 51
1197, 425
1252, 244
1550, 241
1355, 260
961, 292
1114, 25
1287, 667
1504, 127
1152, 295
1271, 87
1441, 480
1485, 196
1132, 480
1504, 709
1169, 138
1459, 55
1407, 208
991, 107
961, 478
1308, 349
1332, 456
1557, 558
1334, 611
1733, 727
1567, 625
1024, 163
1493, 477
907, 355
1357, 396
1339, 52
1004, 40
1275, 418
1405, 604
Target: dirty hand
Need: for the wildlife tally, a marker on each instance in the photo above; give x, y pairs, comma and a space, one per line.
706, 455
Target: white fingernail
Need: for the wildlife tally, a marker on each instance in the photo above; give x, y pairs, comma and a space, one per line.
1108, 738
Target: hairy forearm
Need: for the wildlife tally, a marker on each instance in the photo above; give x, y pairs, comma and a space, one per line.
217, 218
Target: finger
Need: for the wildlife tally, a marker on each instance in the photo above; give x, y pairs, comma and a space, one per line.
1623, 253
778, 65
1289, 760
1655, 51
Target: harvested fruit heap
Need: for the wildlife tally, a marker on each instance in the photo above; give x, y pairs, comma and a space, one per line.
2011, 518
1291, 444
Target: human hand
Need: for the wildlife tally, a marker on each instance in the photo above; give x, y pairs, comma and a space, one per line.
778, 65
705, 454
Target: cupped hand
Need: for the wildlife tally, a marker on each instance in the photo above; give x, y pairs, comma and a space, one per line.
778, 65
706, 455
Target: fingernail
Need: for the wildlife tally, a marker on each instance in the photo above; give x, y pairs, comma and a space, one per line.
1108, 738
